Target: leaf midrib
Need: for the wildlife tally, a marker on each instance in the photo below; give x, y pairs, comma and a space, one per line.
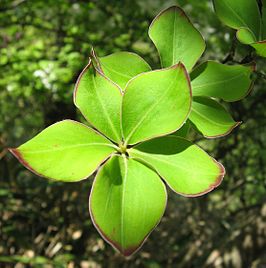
122, 237
147, 155
149, 110
215, 83
69, 147
211, 121
117, 72
104, 110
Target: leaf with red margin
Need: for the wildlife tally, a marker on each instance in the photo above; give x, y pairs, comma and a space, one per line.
227, 82
155, 103
186, 168
66, 151
210, 118
99, 100
120, 67
127, 201
175, 38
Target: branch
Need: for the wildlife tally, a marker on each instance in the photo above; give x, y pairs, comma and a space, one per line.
231, 54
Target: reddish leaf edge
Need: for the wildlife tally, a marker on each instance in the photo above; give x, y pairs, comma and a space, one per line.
125, 52
17, 154
94, 57
99, 71
182, 66
211, 187
99, 65
252, 66
130, 250
260, 42
183, 14
222, 134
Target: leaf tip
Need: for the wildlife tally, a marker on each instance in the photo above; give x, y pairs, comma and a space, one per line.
126, 252
215, 184
95, 61
92, 52
220, 176
181, 66
129, 251
164, 11
21, 159
15, 153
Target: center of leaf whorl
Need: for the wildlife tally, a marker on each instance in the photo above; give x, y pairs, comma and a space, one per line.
122, 148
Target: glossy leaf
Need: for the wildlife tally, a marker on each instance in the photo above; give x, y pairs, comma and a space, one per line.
66, 151
127, 201
120, 67
99, 100
155, 103
210, 118
227, 82
239, 13
245, 36
260, 48
185, 167
175, 38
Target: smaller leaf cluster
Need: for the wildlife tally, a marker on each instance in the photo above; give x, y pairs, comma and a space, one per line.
246, 18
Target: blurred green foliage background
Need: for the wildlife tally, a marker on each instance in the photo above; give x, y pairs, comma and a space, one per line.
43, 47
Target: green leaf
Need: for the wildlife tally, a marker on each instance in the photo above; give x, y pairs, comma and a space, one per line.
66, 151
127, 201
245, 36
245, 16
183, 131
185, 167
120, 67
99, 100
260, 48
217, 80
175, 38
210, 118
239, 13
155, 103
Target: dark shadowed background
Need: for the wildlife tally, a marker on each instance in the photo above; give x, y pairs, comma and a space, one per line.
43, 47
